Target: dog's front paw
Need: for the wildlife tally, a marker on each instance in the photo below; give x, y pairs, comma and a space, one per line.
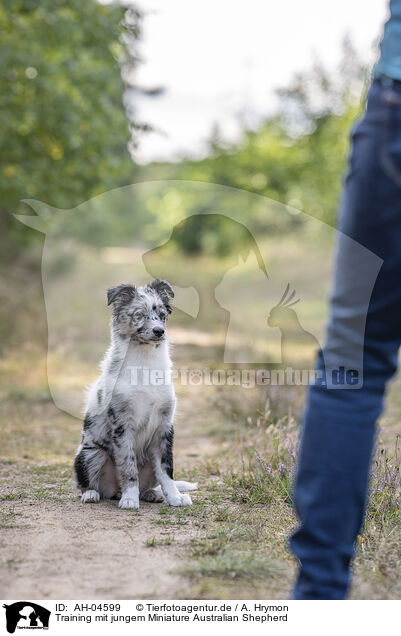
179, 500
129, 499
90, 496
126, 503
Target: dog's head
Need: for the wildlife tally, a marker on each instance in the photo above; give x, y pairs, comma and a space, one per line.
141, 312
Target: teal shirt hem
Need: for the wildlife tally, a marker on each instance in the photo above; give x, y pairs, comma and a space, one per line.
389, 63
387, 70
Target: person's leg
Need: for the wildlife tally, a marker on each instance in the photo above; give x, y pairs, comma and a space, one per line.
339, 424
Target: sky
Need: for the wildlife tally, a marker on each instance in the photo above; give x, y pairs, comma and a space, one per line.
220, 61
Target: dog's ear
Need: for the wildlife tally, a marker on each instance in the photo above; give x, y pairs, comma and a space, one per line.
121, 293
165, 291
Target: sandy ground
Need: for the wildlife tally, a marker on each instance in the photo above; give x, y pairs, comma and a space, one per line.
73, 551
63, 549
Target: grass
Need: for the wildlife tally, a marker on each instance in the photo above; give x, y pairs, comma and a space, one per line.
233, 564
154, 542
170, 522
11, 563
385, 491
250, 514
23, 481
239, 548
262, 481
8, 518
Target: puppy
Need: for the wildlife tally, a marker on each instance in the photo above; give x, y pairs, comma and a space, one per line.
127, 439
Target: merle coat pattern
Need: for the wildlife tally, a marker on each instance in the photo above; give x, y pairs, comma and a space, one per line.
127, 439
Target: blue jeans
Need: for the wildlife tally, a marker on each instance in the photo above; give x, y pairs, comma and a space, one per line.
339, 424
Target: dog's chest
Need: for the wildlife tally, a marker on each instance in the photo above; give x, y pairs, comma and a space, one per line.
146, 417
144, 385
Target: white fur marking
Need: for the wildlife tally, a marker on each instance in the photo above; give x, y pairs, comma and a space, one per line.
180, 500
186, 486
90, 496
130, 499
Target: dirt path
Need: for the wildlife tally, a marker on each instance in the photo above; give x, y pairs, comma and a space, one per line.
69, 551
51, 546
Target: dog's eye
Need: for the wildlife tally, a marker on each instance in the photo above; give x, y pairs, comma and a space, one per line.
162, 315
138, 315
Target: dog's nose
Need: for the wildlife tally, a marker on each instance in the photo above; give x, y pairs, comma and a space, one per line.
158, 331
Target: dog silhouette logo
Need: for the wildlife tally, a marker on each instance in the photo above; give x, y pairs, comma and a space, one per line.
230, 239
26, 615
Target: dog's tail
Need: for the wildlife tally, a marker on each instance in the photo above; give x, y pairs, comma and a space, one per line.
186, 486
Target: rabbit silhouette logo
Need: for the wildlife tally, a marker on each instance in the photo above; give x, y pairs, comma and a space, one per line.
26, 615
285, 318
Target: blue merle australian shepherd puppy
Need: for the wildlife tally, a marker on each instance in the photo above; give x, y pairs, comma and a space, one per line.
127, 440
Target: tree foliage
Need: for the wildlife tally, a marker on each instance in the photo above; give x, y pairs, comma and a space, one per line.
64, 130
298, 154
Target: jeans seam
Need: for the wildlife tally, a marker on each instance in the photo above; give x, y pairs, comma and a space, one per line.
392, 101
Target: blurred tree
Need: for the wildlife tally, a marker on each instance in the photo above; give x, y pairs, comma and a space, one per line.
297, 155
64, 130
